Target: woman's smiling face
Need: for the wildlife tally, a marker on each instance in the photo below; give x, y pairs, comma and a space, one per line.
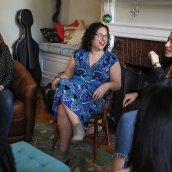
100, 39
168, 46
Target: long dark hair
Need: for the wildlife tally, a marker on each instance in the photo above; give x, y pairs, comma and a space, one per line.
90, 33
152, 143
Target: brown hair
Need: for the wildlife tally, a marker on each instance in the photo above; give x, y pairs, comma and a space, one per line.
1, 39
169, 72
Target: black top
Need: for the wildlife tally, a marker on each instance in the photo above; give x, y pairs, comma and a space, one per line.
159, 76
6, 67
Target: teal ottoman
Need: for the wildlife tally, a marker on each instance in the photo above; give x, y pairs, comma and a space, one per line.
29, 159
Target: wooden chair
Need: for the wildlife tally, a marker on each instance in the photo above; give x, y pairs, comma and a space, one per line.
97, 120
101, 120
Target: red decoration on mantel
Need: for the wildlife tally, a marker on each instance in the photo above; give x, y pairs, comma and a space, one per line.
60, 28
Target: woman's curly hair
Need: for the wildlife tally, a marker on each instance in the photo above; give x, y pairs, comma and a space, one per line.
90, 33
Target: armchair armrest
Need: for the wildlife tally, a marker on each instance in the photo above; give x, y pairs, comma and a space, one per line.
25, 89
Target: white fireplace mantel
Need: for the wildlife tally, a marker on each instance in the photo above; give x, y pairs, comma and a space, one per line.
139, 32
149, 24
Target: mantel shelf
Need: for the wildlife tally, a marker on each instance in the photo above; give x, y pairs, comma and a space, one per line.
139, 32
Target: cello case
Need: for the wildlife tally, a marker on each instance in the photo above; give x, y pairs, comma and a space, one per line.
26, 50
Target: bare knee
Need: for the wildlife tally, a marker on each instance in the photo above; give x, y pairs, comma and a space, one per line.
61, 111
62, 118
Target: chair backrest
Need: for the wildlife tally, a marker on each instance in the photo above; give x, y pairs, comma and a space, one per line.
108, 104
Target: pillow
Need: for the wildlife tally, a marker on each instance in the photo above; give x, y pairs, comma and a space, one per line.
70, 31
50, 35
76, 39
61, 29
75, 23
81, 25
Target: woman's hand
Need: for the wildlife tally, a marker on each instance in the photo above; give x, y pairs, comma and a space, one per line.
100, 92
154, 59
129, 98
55, 83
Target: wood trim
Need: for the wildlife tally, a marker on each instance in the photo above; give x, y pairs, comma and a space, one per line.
139, 32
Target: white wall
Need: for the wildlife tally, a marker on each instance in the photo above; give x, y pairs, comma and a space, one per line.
151, 15
89, 10
42, 11
64, 13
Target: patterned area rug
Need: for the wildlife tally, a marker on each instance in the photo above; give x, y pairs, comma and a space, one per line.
81, 154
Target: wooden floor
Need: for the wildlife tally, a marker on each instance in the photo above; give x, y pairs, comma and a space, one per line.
44, 116
41, 113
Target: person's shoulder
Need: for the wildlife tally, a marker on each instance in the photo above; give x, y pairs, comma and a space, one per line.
111, 54
3, 45
79, 51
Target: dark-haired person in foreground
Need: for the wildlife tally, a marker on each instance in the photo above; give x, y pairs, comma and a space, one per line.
124, 133
6, 95
79, 92
152, 141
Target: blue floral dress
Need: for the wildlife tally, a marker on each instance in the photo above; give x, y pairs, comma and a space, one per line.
76, 93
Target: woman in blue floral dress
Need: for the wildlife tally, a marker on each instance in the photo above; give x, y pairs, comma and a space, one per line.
79, 91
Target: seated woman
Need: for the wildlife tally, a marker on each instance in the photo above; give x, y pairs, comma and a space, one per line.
80, 91
124, 133
6, 95
152, 142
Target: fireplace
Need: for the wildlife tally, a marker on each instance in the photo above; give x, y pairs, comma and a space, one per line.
132, 45
135, 51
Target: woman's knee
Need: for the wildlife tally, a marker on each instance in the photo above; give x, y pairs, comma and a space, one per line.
128, 118
9, 101
61, 111
7, 98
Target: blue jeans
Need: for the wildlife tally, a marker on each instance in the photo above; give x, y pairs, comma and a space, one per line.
6, 111
124, 135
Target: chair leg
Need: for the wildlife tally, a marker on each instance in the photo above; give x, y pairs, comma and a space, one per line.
95, 142
107, 132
